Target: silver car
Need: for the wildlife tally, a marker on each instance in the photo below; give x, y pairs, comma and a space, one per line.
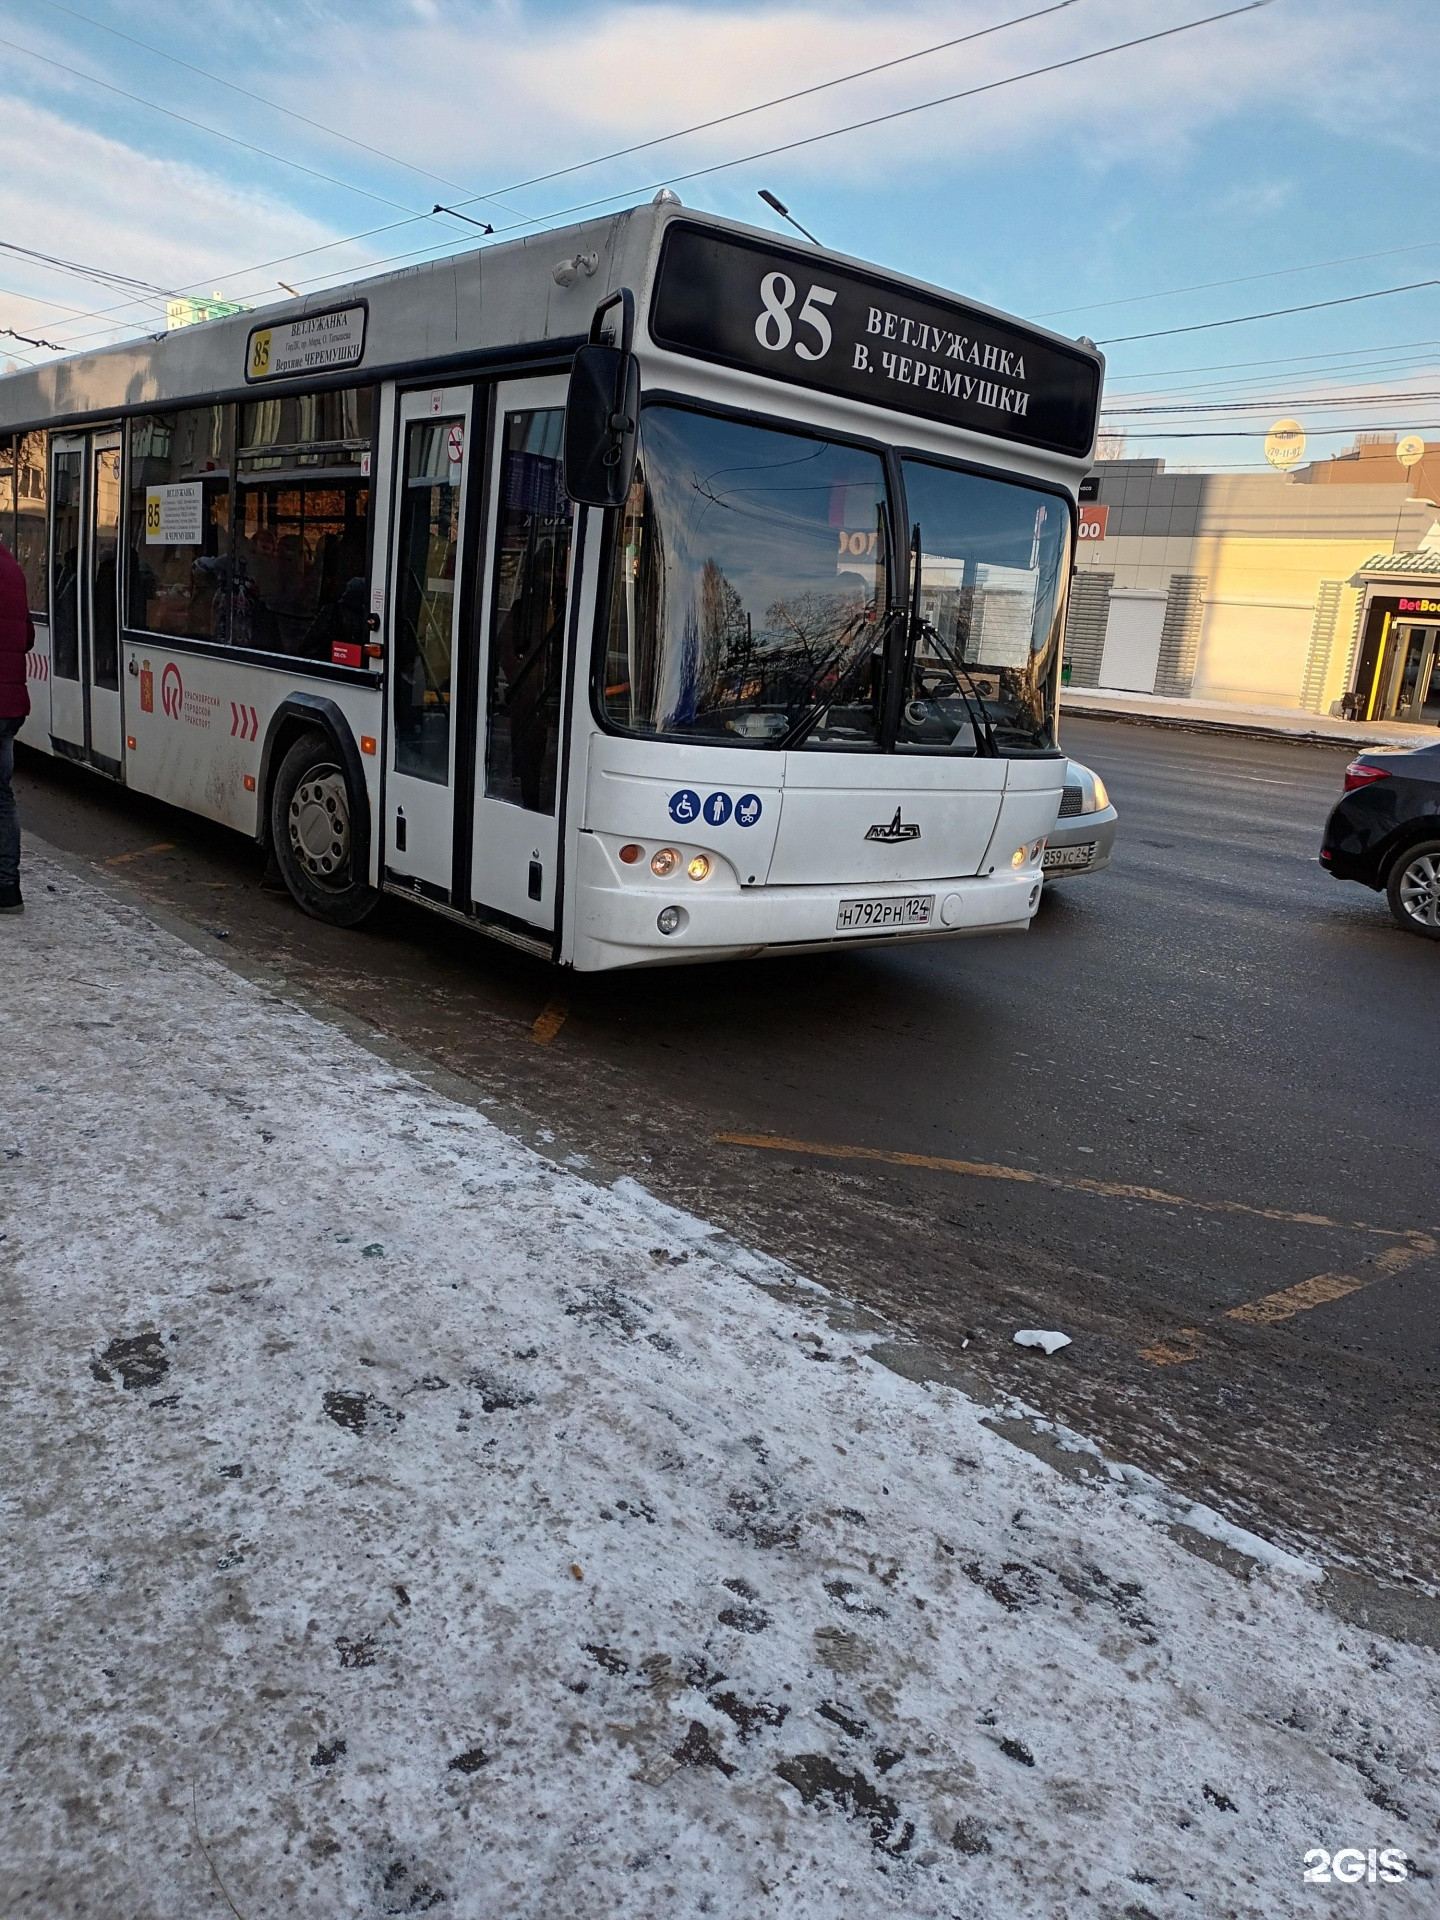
1081, 839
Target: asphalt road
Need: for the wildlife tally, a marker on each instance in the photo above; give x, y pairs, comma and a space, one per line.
1205, 1078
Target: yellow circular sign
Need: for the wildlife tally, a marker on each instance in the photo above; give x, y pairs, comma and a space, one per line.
1285, 445
1410, 451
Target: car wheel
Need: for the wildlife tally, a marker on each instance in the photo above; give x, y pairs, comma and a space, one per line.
1413, 889
312, 837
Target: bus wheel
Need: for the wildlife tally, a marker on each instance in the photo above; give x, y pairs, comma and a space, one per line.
311, 834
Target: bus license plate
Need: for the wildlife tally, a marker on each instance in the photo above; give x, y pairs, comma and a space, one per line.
909, 910
1068, 856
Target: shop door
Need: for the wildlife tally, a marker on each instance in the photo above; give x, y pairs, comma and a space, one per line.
85, 715
434, 460
1418, 697
523, 623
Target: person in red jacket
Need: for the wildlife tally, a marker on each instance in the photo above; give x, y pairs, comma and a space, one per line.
17, 637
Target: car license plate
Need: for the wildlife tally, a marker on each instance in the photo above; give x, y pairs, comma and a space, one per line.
909, 910
1069, 856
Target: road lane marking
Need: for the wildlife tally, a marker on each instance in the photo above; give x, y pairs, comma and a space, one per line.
549, 1022
1322, 1288
141, 853
1065, 1183
1175, 1353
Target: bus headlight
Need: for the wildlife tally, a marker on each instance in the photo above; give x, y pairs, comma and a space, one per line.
663, 862
671, 919
630, 853
1017, 858
699, 867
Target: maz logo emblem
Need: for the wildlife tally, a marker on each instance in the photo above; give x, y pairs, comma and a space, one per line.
896, 829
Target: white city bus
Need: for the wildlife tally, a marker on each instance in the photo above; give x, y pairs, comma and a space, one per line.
645, 591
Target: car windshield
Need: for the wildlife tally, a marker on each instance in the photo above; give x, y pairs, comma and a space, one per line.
749, 591
994, 557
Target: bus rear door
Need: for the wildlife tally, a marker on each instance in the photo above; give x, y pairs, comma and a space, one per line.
85, 712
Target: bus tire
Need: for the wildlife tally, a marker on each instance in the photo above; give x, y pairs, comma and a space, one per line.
311, 809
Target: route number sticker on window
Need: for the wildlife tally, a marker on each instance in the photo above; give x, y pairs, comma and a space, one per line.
175, 514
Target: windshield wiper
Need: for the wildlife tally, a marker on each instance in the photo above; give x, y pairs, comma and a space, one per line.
984, 732
811, 719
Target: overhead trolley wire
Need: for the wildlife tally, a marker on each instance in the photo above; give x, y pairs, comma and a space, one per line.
901, 113
1248, 433
600, 160
1365, 377
787, 99
11, 334
682, 133
1284, 360
1239, 280
247, 146
1310, 403
809, 140
791, 146
104, 275
333, 133
1276, 313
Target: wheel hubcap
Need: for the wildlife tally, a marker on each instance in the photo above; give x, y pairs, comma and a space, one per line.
320, 824
1420, 890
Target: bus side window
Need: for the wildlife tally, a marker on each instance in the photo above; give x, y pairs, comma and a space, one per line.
301, 563
179, 562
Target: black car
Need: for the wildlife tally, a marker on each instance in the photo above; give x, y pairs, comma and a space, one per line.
1385, 831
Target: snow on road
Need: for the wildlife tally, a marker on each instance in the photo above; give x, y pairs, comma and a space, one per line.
397, 1522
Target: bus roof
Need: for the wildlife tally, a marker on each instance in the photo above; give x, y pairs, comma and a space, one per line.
535, 297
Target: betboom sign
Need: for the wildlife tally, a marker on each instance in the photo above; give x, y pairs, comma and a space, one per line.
800, 318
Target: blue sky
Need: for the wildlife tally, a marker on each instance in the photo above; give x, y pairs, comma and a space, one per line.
1268, 150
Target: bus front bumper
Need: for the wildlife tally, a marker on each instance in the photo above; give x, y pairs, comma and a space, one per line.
617, 922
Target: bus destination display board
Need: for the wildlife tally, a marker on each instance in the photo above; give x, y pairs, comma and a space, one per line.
800, 318
318, 343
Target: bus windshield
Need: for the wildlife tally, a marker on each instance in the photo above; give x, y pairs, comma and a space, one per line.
749, 591
751, 597
994, 556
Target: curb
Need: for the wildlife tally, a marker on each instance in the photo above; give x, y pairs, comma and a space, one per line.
1245, 730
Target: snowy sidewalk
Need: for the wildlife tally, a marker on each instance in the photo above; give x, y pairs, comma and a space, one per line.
397, 1522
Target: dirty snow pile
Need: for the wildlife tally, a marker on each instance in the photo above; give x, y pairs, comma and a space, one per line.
398, 1522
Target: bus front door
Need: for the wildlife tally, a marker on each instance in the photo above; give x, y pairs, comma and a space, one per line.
86, 721
435, 469
522, 624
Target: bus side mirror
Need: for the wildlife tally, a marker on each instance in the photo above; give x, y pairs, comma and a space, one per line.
602, 413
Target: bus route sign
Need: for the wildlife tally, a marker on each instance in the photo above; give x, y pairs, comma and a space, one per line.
318, 343
801, 318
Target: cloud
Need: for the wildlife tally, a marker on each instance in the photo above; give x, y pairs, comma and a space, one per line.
498, 93
99, 201
489, 94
